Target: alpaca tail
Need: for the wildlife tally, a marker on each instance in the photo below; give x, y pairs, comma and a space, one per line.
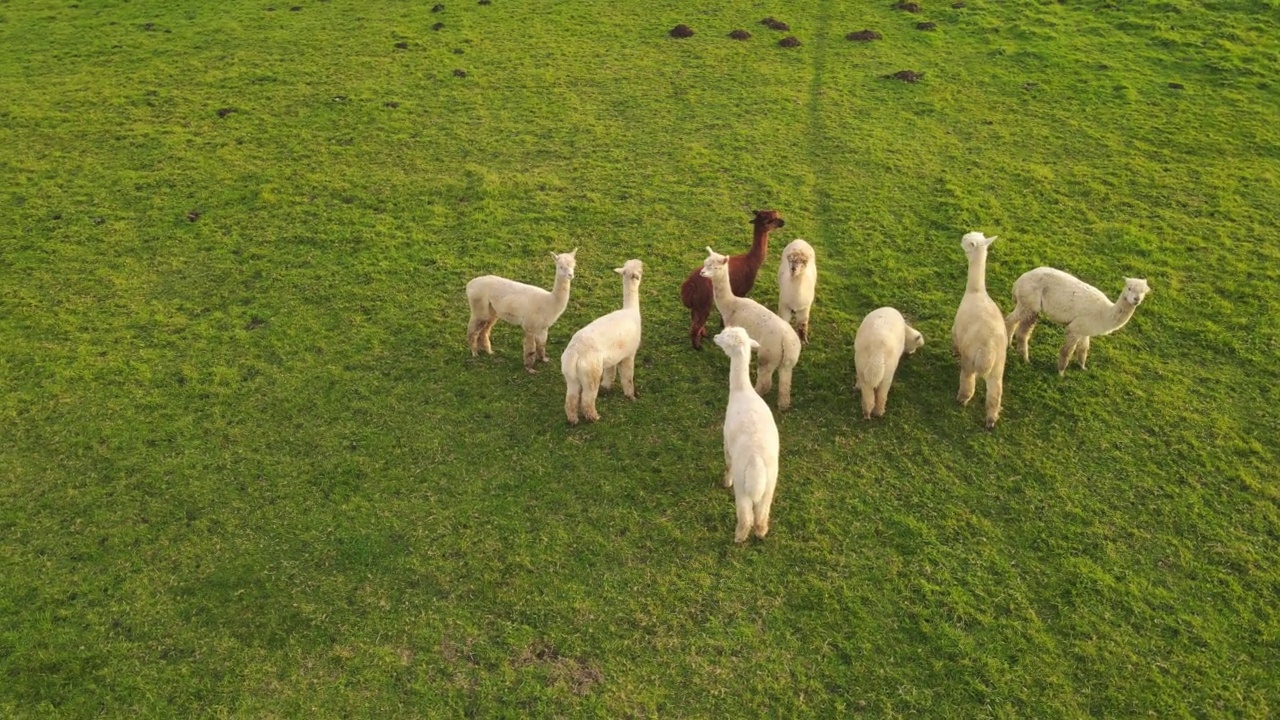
755, 479
871, 373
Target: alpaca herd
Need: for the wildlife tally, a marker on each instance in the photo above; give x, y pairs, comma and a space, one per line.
605, 349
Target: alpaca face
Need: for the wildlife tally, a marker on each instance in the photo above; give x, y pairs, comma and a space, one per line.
631, 271
914, 341
974, 241
566, 263
735, 341
770, 219
1135, 290
715, 263
797, 260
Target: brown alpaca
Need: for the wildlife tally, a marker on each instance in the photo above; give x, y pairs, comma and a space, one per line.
696, 290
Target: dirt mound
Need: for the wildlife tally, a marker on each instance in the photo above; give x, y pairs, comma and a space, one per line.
910, 76
775, 24
740, 35
863, 36
681, 31
926, 26
789, 42
908, 6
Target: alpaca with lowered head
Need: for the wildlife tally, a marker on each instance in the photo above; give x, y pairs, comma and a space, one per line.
696, 292
750, 440
779, 344
797, 280
535, 310
604, 348
978, 334
1069, 301
883, 338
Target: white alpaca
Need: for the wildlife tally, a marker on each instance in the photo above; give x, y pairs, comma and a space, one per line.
978, 334
604, 348
779, 344
883, 338
1069, 301
532, 308
750, 439
797, 278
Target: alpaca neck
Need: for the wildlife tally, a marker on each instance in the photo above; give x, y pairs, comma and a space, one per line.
740, 372
720, 286
759, 243
560, 292
977, 272
1119, 314
631, 296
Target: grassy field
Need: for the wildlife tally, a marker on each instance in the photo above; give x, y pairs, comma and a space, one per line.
248, 467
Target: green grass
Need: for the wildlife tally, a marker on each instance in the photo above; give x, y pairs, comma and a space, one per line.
249, 468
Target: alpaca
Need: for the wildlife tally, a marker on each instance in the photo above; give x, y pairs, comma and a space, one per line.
1069, 301
750, 440
797, 278
532, 308
604, 348
883, 338
696, 292
978, 334
779, 344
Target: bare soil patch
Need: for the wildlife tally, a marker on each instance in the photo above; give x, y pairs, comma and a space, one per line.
910, 76
926, 26
909, 7
863, 36
775, 24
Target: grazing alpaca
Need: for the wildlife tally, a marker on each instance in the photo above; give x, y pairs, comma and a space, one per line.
696, 293
1069, 301
750, 440
797, 279
779, 344
602, 349
883, 338
532, 308
978, 334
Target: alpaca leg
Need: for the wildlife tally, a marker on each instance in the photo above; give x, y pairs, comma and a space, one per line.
542, 346
627, 374
802, 325
606, 381
1068, 349
698, 326
882, 397
868, 400
530, 352
1024, 336
484, 334
475, 331
764, 376
784, 387
728, 468
572, 398
994, 383
968, 381
746, 518
1082, 352
590, 389
762, 515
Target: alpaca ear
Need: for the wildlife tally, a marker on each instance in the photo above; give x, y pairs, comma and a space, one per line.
618, 270
555, 256
574, 254
710, 251
754, 345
